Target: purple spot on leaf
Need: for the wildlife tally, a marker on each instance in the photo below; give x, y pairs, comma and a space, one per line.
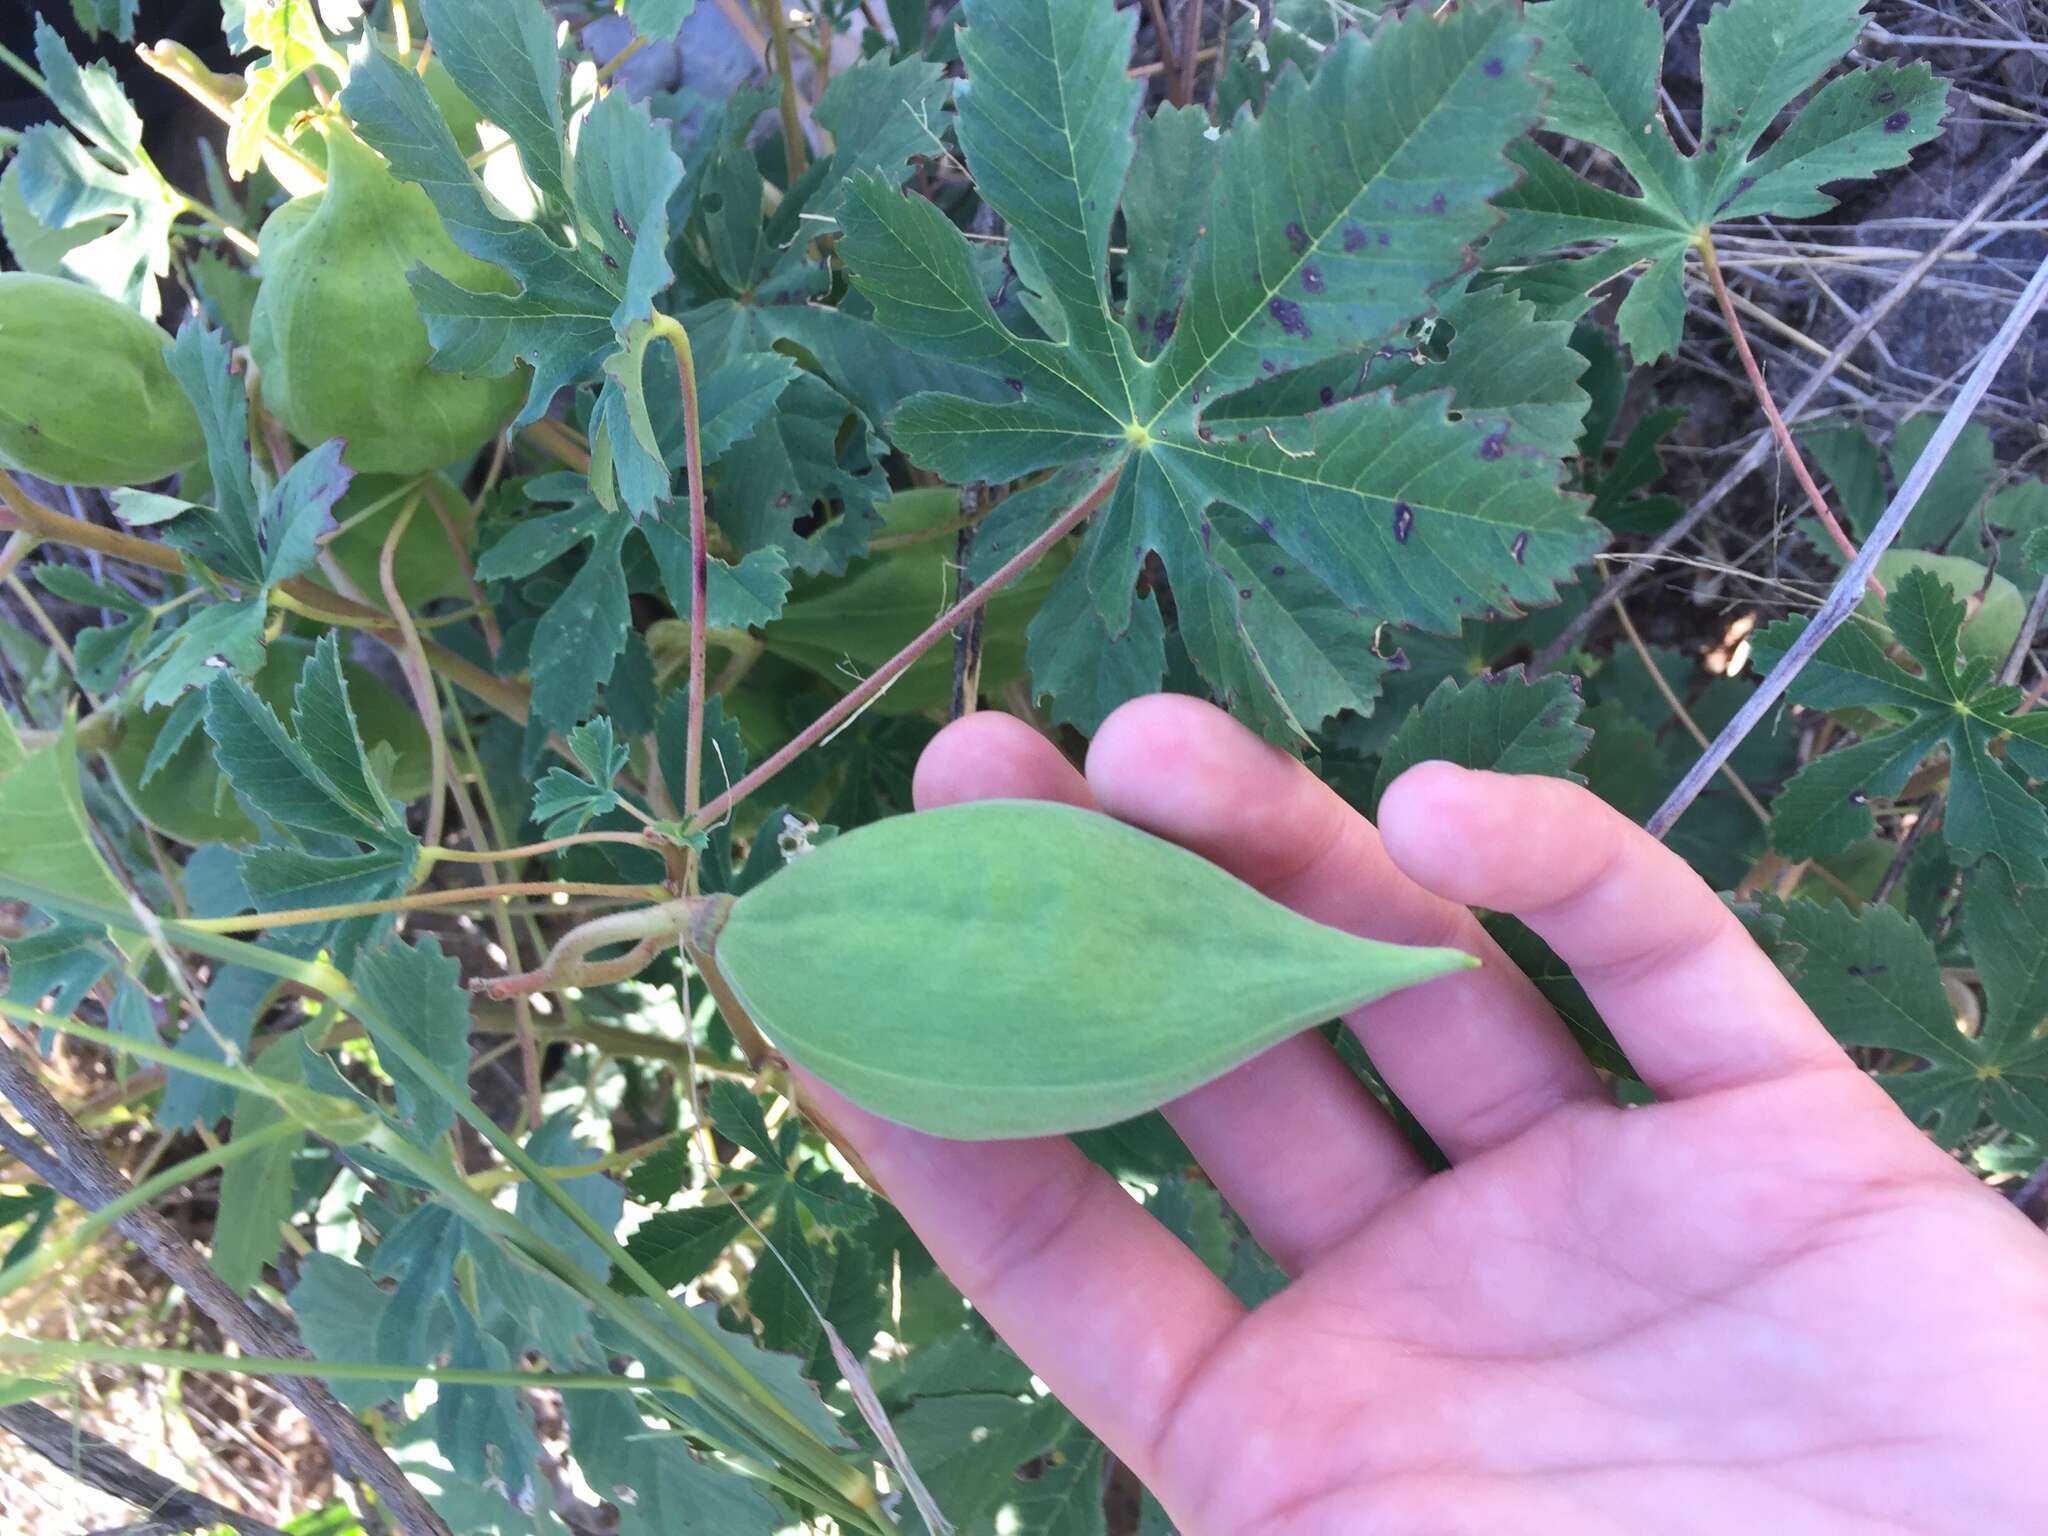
1354, 238
1494, 445
1297, 238
1312, 279
1437, 204
1520, 548
1494, 68
1327, 395
1279, 570
1898, 122
1288, 314
1404, 521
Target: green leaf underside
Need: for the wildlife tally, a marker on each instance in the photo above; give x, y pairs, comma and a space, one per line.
1053, 920
1954, 703
1756, 57
1330, 221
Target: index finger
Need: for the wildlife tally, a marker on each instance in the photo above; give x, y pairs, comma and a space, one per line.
1692, 1000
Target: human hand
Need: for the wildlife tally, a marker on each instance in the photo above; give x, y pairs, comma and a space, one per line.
1766, 1303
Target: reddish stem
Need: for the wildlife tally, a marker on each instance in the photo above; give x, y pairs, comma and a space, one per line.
895, 666
1763, 394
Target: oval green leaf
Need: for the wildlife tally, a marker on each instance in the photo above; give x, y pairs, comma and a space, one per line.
1018, 968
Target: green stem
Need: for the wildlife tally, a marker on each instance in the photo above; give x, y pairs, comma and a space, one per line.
793, 151
693, 468
67, 1353
419, 675
23, 68
725, 1384
235, 235
252, 922
530, 850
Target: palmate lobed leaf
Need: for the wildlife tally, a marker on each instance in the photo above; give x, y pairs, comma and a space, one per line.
581, 291
1318, 230
108, 212
1875, 981
1756, 57
1952, 703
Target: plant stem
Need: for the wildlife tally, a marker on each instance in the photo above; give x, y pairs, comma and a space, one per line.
23, 68
1156, 13
1190, 49
418, 901
1842, 599
649, 929
533, 850
894, 667
1634, 570
417, 674
84, 1175
795, 156
235, 235
184, 69
59, 1351
1711, 262
700, 567
620, 59
2023, 642
557, 441
20, 544
1684, 716
49, 1255
297, 596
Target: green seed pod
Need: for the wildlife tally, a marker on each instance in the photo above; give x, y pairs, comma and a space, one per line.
86, 397
1017, 968
338, 342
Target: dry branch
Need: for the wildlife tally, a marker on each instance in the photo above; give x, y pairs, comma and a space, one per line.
98, 1464
81, 1172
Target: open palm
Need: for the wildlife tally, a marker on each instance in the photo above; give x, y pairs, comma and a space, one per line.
1766, 1303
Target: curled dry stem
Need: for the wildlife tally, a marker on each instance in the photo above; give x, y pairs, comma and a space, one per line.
649, 929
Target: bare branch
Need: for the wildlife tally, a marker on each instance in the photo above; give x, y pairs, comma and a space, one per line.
95, 1462
82, 1173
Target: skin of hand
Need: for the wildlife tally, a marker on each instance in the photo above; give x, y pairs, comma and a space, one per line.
1765, 1303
